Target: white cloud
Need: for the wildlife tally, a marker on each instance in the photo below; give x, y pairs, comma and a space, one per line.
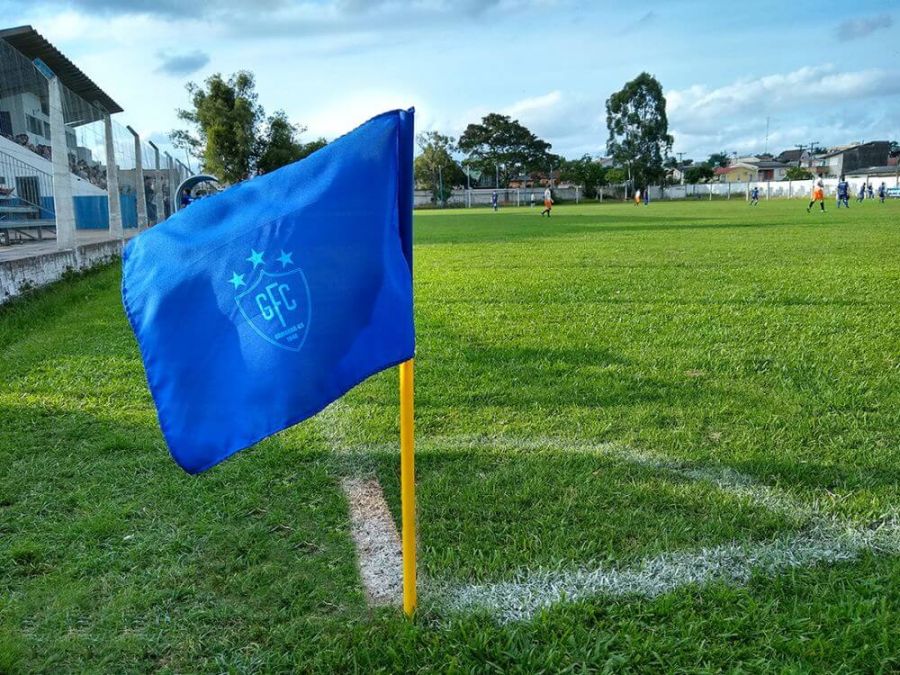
536, 104
805, 87
819, 100
344, 113
573, 122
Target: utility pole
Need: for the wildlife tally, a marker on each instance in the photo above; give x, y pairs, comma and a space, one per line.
767, 136
681, 165
812, 146
800, 147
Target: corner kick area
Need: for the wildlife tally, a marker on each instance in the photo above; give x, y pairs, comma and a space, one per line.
648, 439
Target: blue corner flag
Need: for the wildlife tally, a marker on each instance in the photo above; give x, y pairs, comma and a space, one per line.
257, 307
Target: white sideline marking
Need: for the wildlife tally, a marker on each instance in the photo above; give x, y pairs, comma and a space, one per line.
378, 551
377, 542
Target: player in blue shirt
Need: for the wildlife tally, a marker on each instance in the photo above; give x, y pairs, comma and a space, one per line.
495, 200
754, 196
861, 195
843, 193
882, 192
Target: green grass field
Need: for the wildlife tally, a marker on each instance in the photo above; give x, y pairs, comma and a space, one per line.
553, 356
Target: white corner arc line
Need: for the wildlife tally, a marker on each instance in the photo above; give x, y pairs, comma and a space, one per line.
533, 591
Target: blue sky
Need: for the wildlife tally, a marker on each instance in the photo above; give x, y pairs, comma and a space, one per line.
818, 73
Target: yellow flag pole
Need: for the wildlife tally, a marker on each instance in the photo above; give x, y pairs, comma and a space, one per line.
408, 487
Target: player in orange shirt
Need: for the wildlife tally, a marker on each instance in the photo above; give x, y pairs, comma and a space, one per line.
818, 195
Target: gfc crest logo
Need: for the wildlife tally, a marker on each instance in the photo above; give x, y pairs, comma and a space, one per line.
275, 302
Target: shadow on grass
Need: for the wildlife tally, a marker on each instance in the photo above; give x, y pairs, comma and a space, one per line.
552, 377
103, 536
486, 512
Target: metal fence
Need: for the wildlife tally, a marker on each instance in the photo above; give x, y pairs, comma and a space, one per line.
477, 197
785, 189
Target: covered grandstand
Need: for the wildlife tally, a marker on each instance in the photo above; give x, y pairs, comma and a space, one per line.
50, 109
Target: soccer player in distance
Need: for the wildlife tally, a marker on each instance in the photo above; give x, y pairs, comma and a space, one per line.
548, 202
818, 195
843, 193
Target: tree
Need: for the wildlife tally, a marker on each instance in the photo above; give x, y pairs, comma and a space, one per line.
502, 146
280, 144
226, 117
895, 149
434, 168
698, 174
797, 173
585, 172
616, 176
639, 129
718, 159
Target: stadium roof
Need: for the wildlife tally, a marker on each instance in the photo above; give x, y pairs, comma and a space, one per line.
35, 46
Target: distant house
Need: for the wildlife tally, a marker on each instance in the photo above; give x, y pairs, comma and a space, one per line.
676, 174
769, 169
842, 160
728, 174
745, 170
795, 157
